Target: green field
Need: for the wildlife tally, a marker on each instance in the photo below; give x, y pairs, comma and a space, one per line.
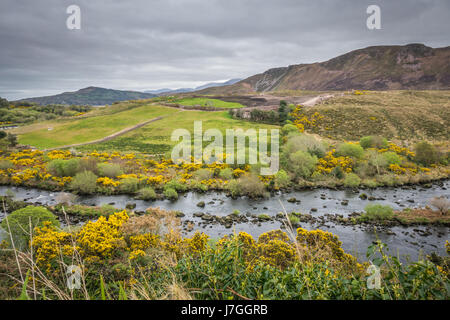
65, 132
205, 102
154, 138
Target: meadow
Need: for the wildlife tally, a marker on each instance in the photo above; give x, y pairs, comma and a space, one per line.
92, 127
206, 102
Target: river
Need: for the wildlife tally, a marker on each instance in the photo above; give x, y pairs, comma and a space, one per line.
406, 242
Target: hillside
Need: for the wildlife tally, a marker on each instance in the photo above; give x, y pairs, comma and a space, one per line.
413, 66
167, 91
90, 96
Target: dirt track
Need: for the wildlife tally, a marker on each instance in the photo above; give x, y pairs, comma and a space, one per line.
110, 137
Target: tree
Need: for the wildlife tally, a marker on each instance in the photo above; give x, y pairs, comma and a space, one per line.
283, 112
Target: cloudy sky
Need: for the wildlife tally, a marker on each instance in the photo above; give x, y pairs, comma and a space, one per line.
151, 44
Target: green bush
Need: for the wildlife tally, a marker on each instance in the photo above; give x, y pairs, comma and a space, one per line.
19, 223
350, 150
110, 170
84, 182
64, 168
351, 180
282, 179
226, 174
426, 154
377, 212
302, 164
392, 158
176, 185
287, 129
373, 142
170, 194
129, 185
146, 193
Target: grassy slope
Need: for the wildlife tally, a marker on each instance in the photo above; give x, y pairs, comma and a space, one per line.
86, 129
397, 115
155, 137
205, 101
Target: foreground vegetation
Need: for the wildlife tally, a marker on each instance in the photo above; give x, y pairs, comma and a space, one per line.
124, 256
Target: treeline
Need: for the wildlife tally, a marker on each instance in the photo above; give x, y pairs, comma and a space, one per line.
24, 112
279, 116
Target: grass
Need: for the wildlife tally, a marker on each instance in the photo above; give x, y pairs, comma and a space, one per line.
396, 115
205, 102
96, 126
154, 138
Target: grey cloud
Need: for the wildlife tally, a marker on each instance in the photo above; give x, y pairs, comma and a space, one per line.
176, 43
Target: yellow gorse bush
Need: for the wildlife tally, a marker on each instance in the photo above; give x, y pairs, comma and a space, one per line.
99, 239
301, 120
330, 161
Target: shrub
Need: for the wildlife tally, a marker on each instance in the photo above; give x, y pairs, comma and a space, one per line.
84, 182
129, 185
226, 174
350, 150
304, 143
170, 194
287, 129
202, 174
377, 212
282, 179
88, 164
373, 142
63, 168
376, 161
19, 223
234, 188
5, 164
302, 164
351, 180
110, 170
426, 154
392, 158
338, 172
252, 186
176, 185
146, 193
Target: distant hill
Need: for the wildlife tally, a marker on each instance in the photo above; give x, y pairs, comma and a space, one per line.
90, 96
167, 91
413, 66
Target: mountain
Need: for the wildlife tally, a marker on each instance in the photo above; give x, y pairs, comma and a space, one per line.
413, 66
183, 90
90, 96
